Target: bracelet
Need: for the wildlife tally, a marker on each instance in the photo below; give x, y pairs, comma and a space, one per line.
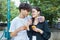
41, 32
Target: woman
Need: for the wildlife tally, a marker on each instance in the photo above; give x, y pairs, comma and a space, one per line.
39, 29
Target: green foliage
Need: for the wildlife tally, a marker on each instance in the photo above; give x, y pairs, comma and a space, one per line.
3, 10
14, 10
50, 9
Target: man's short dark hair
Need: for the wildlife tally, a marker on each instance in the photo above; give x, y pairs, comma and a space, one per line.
25, 6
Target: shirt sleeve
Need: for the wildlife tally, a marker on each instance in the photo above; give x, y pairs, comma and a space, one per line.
12, 26
46, 31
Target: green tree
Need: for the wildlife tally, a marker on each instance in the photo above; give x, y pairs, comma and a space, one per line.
50, 9
3, 10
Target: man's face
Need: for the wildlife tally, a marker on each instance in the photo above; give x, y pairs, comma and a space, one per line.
24, 12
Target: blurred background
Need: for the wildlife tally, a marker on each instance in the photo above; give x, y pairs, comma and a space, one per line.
50, 9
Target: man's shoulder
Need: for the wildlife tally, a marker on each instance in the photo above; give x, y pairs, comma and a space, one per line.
15, 19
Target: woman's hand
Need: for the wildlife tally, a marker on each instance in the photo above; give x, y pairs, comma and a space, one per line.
38, 30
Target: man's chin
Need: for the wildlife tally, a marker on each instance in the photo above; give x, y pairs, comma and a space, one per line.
26, 15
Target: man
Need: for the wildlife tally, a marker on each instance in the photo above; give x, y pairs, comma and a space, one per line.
18, 27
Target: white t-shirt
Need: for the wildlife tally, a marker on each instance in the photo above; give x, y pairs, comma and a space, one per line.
15, 24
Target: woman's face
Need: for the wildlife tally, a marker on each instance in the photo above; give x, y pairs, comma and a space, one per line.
35, 13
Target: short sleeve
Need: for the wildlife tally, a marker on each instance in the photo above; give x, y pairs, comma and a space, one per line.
12, 26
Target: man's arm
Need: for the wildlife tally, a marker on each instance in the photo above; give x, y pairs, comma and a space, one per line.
13, 34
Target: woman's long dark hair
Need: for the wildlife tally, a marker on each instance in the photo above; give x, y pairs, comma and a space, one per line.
38, 9
33, 20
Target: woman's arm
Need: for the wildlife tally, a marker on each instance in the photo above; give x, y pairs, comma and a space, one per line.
46, 31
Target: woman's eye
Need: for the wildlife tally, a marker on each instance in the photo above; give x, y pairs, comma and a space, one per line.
33, 11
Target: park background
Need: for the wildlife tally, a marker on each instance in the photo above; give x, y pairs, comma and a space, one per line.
50, 9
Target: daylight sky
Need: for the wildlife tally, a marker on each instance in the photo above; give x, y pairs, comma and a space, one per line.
17, 2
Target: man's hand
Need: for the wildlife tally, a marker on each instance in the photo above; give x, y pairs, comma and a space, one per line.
13, 34
27, 24
22, 28
41, 18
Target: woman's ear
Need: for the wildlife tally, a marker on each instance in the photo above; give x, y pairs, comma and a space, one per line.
38, 12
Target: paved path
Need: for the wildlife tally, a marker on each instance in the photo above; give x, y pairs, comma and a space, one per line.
55, 35
1, 33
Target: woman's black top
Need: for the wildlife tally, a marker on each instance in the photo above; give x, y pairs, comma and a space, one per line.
46, 31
